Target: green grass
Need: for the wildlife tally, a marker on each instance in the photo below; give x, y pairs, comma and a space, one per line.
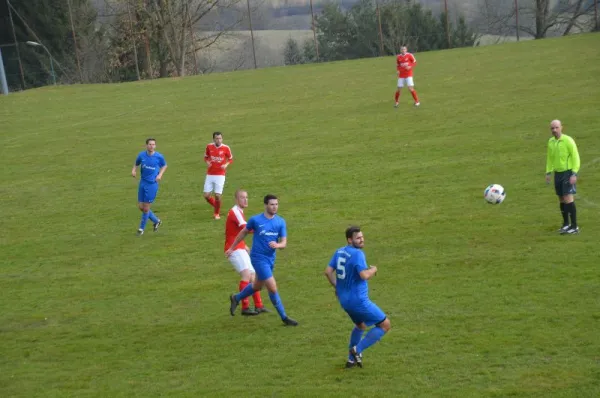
483, 300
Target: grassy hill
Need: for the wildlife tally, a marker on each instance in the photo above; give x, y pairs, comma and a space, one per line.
483, 300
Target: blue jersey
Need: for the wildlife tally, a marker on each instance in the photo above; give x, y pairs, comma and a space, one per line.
150, 165
265, 230
348, 261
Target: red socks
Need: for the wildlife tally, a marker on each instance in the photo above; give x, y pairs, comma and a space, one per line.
256, 297
397, 96
211, 201
414, 94
246, 301
257, 300
217, 206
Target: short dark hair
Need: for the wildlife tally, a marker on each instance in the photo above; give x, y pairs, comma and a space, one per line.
150, 139
269, 197
216, 133
350, 231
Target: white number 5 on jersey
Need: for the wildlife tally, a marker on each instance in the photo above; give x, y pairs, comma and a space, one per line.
341, 274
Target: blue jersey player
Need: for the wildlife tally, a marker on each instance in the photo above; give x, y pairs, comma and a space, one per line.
348, 272
152, 167
270, 233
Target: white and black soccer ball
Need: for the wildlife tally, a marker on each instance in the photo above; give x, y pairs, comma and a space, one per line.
494, 194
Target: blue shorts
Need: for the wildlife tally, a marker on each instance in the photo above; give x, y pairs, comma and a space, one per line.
366, 311
147, 192
263, 269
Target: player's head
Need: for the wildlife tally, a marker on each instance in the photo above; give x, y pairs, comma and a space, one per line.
241, 198
403, 50
556, 128
150, 144
217, 138
355, 237
271, 204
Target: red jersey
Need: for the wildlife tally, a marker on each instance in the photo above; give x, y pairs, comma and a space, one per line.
218, 156
405, 64
234, 224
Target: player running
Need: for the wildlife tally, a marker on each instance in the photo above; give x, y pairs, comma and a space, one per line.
152, 167
405, 62
217, 157
348, 272
270, 233
239, 258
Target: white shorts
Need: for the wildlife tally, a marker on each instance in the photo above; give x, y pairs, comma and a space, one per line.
241, 260
214, 183
408, 80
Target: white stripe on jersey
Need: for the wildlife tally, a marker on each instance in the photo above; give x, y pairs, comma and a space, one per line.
239, 215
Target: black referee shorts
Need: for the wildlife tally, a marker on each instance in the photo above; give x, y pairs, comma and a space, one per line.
562, 185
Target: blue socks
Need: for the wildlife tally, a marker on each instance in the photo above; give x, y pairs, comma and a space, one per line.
355, 337
372, 337
277, 304
247, 292
144, 220
152, 217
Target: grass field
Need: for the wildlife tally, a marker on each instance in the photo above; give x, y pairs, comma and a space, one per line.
483, 300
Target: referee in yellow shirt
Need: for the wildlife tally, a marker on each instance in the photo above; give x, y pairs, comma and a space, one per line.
563, 160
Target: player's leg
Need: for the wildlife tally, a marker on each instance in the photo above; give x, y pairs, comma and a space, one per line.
219, 183
153, 192
372, 315
241, 265
355, 337
271, 286
144, 193
248, 291
208, 188
258, 303
569, 200
398, 89
559, 188
411, 88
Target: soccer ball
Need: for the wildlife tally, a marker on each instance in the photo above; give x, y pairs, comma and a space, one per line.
494, 194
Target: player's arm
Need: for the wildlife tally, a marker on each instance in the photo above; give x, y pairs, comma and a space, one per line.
549, 166
575, 156
228, 161
279, 245
163, 166
330, 275
368, 273
138, 161
161, 172
240, 237
413, 61
207, 157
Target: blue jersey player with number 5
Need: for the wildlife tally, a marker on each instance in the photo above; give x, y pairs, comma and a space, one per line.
348, 272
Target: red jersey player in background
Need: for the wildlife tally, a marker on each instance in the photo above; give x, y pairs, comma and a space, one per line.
240, 258
217, 156
405, 62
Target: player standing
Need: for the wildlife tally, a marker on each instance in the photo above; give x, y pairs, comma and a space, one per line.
152, 167
405, 62
563, 159
217, 157
270, 233
239, 258
348, 272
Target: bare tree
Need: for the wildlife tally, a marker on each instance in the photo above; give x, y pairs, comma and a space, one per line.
557, 17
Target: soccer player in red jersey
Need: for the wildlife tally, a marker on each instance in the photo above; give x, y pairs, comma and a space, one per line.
405, 62
217, 156
239, 257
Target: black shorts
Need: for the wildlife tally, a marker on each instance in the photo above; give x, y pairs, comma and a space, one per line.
562, 185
